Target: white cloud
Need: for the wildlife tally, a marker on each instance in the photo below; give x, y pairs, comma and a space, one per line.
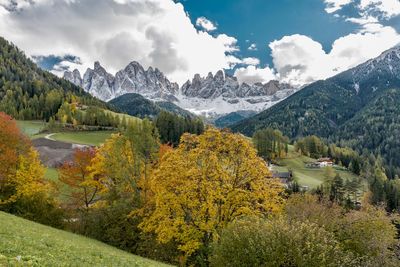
385, 8
251, 61
206, 24
363, 20
116, 32
252, 47
252, 74
299, 59
335, 5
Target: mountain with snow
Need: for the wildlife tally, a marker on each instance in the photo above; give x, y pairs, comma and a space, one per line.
333, 106
210, 96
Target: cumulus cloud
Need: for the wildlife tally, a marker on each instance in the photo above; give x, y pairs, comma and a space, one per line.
299, 59
116, 32
253, 74
205, 24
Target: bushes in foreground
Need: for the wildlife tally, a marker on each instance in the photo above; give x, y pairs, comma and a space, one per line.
309, 233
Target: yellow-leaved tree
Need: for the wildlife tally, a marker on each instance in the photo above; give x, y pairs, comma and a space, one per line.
28, 180
116, 166
206, 183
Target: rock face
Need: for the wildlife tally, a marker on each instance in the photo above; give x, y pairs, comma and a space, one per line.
133, 79
214, 94
74, 77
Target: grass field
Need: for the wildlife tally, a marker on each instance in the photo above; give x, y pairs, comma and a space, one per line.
94, 138
31, 128
311, 177
25, 243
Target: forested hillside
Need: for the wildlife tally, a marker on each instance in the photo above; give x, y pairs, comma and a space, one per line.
27, 92
376, 128
139, 106
355, 108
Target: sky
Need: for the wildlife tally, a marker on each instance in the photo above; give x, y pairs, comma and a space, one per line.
293, 41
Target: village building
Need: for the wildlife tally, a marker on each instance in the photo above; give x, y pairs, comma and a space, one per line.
320, 163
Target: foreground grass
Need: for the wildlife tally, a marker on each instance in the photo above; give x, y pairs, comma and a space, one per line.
25, 243
93, 138
311, 177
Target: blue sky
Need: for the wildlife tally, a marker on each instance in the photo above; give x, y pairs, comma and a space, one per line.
262, 21
297, 41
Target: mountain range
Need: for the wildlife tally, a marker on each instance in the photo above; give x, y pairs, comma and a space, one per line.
212, 95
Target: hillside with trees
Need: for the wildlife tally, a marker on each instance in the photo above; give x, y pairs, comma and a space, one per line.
27, 92
139, 106
355, 108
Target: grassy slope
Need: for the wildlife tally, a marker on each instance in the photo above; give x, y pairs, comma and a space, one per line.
306, 176
40, 245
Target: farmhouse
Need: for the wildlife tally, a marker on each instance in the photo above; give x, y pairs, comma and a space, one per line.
320, 163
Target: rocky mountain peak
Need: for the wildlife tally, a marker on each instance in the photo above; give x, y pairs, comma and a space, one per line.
97, 66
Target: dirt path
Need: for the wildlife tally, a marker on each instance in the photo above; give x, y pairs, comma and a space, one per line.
48, 137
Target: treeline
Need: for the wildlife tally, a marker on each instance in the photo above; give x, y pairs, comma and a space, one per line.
27, 92
75, 114
171, 126
270, 143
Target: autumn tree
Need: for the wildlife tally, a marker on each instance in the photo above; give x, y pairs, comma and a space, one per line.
77, 175
23, 189
12, 145
123, 164
207, 182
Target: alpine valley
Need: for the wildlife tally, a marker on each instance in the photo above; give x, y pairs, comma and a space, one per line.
358, 108
211, 96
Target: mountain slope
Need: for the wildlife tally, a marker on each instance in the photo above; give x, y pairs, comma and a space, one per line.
27, 92
376, 128
323, 106
25, 243
139, 106
232, 118
357, 108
